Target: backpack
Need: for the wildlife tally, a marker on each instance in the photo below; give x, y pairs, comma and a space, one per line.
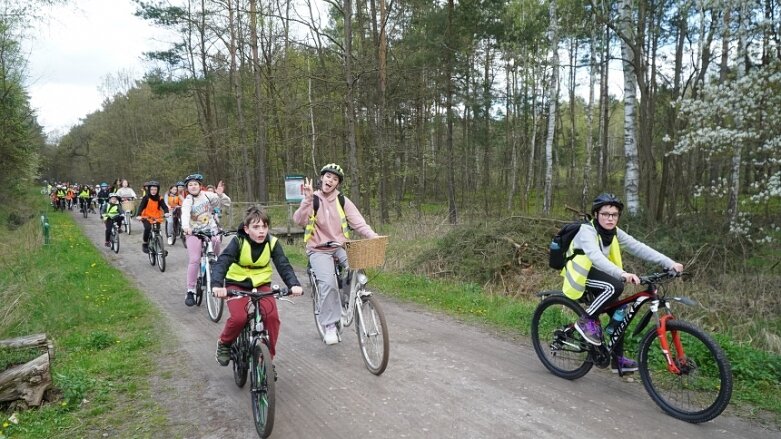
316, 202
557, 255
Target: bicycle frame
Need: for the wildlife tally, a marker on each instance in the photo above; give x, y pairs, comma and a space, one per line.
633, 304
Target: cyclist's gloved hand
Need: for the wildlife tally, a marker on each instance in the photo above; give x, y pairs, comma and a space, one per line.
167, 215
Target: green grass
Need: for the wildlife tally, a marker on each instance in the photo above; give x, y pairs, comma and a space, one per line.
103, 331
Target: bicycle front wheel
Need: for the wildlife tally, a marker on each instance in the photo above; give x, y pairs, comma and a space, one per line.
316, 309
702, 387
214, 306
263, 384
240, 358
372, 334
560, 348
160, 246
152, 249
115, 239
127, 223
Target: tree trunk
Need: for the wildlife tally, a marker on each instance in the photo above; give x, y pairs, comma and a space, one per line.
349, 105
451, 174
632, 175
552, 99
260, 120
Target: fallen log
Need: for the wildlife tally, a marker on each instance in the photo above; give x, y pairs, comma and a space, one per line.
29, 381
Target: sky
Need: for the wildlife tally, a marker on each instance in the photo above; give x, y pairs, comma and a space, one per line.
73, 52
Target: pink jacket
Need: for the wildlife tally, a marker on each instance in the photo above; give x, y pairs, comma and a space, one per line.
329, 226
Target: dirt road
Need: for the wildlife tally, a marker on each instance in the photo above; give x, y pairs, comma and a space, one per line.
445, 379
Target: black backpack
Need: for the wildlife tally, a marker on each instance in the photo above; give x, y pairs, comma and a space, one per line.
557, 256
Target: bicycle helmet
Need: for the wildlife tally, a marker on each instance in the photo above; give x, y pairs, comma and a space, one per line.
104, 185
113, 194
606, 199
179, 183
193, 177
334, 169
151, 183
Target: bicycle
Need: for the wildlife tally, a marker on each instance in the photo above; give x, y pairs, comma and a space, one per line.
114, 236
157, 251
359, 305
250, 352
177, 232
214, 305
83, 207
687, 375
127, 210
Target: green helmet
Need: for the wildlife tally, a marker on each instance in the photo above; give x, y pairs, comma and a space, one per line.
334, 169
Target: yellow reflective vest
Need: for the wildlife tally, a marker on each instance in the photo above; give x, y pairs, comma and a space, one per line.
577, 268
309, 230
258, 271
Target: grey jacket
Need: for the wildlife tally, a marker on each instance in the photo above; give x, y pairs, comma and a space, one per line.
588, 240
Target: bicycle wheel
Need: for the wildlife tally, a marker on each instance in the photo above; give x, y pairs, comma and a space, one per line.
214, 304
84, 210
372, 334
127, 222
560, 348
115, 239
199, 289
152, 249
240, 357
316, 308
160, 245
703, 387
174, 233
262, 391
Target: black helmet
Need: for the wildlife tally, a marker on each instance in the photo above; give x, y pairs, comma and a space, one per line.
193, 177
180, 183
151, 183
606, 199
334, 169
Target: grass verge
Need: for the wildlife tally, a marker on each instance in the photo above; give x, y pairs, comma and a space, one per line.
103, 331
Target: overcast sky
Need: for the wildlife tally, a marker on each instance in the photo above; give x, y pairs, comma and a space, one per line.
76, 49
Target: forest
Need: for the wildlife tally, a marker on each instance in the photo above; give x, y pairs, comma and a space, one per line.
473, 107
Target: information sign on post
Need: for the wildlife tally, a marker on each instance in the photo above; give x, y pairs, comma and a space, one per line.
294, 184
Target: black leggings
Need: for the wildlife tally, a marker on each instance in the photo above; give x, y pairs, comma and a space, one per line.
606, 290
147, 230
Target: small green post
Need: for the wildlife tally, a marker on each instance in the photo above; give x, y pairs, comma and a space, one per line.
45, 226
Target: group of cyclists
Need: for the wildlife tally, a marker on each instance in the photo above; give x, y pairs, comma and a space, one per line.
593, 265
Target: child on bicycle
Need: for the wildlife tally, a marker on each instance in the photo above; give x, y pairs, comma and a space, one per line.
244, 264
113, 214
152, 208
174, 203
595, 268
330, 222
198, 213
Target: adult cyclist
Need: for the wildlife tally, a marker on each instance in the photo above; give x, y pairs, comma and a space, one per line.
597, 269
332, 221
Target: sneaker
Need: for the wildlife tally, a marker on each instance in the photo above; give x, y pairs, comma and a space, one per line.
107, 244
223, 354
627, 364
190, 299
145, 247
330, 334
590, 330
170, 240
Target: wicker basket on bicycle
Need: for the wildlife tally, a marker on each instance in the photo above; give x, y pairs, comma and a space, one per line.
366, 253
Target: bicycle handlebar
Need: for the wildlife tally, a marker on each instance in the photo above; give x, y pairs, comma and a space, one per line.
209, 233
330, 244
276, 290
655, 278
